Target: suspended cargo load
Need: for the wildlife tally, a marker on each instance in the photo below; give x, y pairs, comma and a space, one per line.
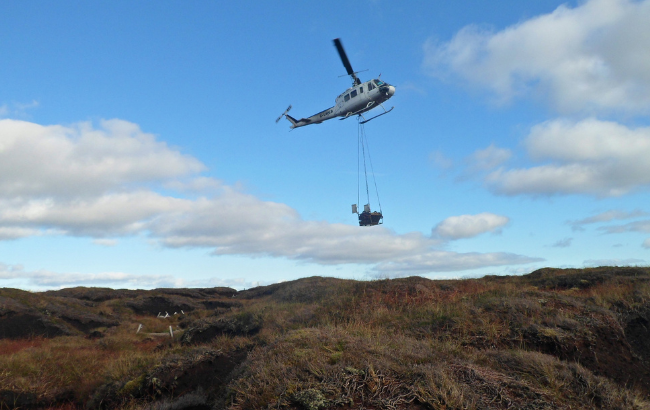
367, 217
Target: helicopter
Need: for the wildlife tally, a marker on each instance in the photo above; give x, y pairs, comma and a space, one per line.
356, 100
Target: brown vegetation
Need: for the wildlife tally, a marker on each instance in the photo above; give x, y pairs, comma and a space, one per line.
553, 339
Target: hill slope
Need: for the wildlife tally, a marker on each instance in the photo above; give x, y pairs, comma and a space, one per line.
576, 338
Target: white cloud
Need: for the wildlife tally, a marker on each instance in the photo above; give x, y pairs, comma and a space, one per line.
237, 223
43, 279
47, 279
442, 261
105, 242
589, 157
636, 226
562, 243
468, 226
587, 140
17, 109
80, 160
109, 214
439, 160
234, 223
614, 262
591, 57
198, 184
8, 233
21, 107
646, 243
607, 216
487, 159
83, 181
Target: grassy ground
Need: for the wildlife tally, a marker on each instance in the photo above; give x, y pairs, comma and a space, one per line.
552, 339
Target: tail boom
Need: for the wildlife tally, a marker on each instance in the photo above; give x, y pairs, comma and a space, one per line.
314, 119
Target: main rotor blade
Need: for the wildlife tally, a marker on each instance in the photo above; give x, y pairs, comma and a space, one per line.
344, 57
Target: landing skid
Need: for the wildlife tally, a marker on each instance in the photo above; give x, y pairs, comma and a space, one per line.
370, 119
359, 113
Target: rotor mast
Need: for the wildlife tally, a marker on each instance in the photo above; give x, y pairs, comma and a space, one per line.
346, 62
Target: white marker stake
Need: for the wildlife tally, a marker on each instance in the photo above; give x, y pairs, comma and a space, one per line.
171, 332
139, 327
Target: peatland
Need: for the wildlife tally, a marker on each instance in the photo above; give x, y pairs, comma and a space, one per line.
551, 339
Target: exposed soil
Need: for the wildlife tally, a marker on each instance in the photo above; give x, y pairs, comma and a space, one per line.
16, 325
95, 294
84, 321
208, 371
22, 401
221, 304
637, 332
203, 331
153, 305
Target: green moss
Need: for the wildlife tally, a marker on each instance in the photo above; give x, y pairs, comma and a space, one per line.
133, 387
310, 399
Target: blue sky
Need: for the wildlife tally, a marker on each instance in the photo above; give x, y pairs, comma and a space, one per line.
138, 146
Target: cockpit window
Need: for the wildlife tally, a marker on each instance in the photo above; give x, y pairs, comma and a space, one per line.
347, 97
371, 87
353, 93
379, 83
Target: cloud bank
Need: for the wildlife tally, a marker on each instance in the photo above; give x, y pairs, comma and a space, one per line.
44, 279
106, 182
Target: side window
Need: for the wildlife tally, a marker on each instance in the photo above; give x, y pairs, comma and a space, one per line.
361, 89
370, 87
353, 94
347, 97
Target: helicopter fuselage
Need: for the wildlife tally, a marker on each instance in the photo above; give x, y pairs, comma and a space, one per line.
355, 100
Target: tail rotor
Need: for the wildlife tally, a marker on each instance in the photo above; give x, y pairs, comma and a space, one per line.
283, 114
